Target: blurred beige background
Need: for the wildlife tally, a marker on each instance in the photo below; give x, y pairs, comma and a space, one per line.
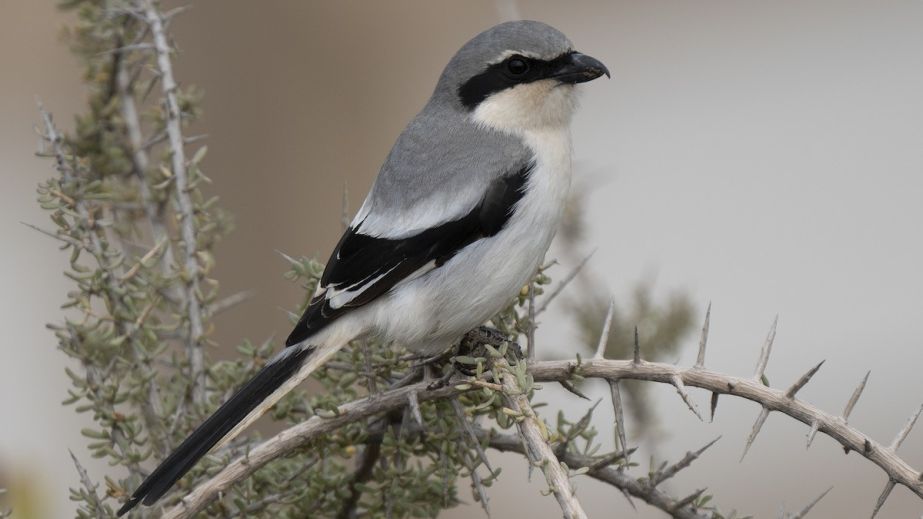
766, 156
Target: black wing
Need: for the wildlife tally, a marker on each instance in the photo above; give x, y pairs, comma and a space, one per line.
363, 267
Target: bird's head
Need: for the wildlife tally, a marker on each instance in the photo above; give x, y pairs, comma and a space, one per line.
517, 76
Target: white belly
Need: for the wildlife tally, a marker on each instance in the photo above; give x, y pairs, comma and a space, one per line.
430, 312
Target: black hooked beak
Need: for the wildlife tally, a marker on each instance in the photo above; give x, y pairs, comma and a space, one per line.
579, 68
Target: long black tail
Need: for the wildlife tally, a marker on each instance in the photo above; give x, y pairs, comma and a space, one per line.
279, 370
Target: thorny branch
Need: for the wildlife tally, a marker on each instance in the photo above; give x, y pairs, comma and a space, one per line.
184, 200
754, 389
784, 401
297, 436
114, 295
534, 435
607, 473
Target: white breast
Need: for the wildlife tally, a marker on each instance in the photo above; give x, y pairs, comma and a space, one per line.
430, 312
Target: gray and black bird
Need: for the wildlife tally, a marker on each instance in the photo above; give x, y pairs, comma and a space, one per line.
456, 223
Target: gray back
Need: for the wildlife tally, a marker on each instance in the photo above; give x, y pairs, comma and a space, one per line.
442, 163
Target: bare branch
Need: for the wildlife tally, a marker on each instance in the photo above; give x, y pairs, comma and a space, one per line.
750, 389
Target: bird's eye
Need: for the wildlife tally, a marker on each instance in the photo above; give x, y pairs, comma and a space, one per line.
517, 66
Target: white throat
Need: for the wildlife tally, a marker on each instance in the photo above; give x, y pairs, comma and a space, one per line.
539, 106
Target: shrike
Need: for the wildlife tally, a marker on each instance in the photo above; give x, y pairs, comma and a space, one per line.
454, 226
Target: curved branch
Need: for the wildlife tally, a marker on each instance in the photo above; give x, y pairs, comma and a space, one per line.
897, 470
298, 435
303, 433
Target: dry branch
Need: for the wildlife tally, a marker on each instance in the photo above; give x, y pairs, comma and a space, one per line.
770, 399
186, 208
297, 436
534, 435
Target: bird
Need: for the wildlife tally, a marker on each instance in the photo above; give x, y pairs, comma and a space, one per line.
457, 221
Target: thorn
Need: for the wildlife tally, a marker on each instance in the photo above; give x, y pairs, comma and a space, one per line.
629, 499
902, 434
714, 406
604, 335
466, 425
813, 432
619, 417
682, 503
889, 486
760, 420
855, 396
767, 349
637, 354
662, 475
805, 510
569, 386
610, 458
800, 383
288, 258
564, 282
703, 338
677, 382
414, 403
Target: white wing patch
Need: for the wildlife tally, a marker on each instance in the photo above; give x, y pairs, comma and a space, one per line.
336, 298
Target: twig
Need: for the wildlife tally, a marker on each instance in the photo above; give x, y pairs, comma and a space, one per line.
608, 474
534, 435
804, 511
530, 333
228, 302
564, 282
89, 488
184, 200
140, 164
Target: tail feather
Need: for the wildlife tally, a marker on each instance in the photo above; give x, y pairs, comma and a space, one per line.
278, 377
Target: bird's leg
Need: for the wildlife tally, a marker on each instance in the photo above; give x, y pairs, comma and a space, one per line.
473, 343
